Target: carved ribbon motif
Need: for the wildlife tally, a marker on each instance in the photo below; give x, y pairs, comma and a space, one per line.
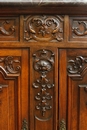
43, 63
9, 65
62, 125
77, 67
43, 28
77, 31
24, 125
3, 31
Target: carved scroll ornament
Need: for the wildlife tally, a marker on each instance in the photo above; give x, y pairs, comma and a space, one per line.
76, 30
43, 28
43, 63
77, 68
3, 31
8, 65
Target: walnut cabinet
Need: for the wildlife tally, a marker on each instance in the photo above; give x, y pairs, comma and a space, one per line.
43, 67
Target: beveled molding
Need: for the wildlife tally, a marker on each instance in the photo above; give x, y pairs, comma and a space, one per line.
78, 28
43, 28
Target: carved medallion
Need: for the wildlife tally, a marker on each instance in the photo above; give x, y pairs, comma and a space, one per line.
77, 67
43, 28
43, 64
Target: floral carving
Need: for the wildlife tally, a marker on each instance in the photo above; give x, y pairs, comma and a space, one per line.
76, 30
43, 28
77, 67
43, 63
9, 64
3, 31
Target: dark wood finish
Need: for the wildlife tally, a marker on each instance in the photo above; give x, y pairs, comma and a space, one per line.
43, 65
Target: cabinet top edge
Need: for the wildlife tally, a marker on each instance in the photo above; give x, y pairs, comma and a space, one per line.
42, 3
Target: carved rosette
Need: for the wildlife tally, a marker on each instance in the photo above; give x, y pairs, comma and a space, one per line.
43, 64
43, 28
10, 65
77, 67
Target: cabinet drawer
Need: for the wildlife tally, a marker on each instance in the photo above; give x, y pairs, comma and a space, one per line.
78, 29
9, 28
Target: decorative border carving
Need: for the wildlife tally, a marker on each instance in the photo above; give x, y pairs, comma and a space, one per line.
77, 68
43, 28
43, 64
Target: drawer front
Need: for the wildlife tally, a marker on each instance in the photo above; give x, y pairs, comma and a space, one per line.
78, 29
9, 28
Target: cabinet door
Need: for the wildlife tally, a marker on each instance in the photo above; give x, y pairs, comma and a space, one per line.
44, 88
73, 89
13, 89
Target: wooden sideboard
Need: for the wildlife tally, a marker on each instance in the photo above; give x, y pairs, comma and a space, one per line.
43, 65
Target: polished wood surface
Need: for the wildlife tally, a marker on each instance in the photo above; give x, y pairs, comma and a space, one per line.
43, 66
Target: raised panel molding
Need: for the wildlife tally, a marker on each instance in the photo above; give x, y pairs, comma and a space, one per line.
43, 28
43, 63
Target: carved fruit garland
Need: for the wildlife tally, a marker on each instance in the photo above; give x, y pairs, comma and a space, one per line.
43, 64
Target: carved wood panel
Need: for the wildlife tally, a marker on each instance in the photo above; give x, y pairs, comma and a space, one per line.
43, 28
78, 28
75, 86
43, 96
9, 28
13, 88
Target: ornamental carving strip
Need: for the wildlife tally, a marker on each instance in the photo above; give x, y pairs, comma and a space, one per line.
43, 28
77, 67
76, 29
43, 64
3, 31
10, 64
